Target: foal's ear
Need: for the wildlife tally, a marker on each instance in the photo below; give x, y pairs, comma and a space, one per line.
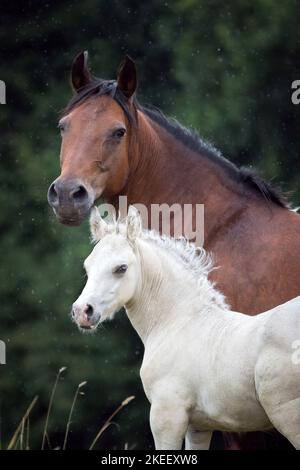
127, 77
133, 224
80, 74
98, 226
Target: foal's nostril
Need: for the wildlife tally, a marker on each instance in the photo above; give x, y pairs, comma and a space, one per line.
89, 310
79, 193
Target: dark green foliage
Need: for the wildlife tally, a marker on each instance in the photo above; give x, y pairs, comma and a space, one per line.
223, 68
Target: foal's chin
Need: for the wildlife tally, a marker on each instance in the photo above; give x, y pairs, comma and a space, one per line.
91, 328
87, 330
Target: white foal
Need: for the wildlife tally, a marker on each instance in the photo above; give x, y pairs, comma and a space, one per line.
205, 367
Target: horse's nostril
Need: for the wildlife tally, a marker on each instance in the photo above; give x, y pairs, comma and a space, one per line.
79, 194
52, 194
89, 310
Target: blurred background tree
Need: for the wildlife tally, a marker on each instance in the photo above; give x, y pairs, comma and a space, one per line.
223, 68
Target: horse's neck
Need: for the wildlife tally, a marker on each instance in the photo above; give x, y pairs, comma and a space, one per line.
168, 296
164, 170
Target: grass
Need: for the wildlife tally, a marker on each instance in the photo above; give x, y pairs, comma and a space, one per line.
45, 435
20, 439
19, 432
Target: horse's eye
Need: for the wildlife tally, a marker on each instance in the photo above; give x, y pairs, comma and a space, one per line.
61, 127
120, 269
119, 133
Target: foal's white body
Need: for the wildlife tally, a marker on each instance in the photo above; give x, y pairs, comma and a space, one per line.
205, 367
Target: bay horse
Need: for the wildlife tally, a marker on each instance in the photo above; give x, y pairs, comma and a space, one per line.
112, 146
205, 367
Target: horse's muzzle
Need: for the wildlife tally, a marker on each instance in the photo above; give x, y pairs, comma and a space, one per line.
70, 200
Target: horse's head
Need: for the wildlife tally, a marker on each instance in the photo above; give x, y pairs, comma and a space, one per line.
95, 130
112, 269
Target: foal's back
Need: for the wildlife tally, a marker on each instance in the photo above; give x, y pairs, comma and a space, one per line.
277, 370
277, 358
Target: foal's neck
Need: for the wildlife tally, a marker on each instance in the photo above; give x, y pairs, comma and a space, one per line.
168, 295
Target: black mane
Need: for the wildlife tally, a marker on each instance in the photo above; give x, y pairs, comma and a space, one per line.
99, 87
188, 137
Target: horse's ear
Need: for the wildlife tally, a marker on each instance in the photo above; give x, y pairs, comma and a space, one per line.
127, 77
133, 224
80, 74
98, 226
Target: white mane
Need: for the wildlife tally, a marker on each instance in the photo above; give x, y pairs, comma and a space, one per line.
194, 259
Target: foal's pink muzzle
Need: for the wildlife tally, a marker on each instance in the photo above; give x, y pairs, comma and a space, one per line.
84, 316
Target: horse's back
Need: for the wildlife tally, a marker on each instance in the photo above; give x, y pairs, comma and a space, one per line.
266, 258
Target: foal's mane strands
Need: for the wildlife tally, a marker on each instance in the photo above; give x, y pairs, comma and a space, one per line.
197, 261
189, 137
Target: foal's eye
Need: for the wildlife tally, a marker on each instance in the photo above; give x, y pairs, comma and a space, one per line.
120, 269
119, 133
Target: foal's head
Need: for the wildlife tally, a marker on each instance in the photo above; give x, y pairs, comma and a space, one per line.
112, 270
95, 131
